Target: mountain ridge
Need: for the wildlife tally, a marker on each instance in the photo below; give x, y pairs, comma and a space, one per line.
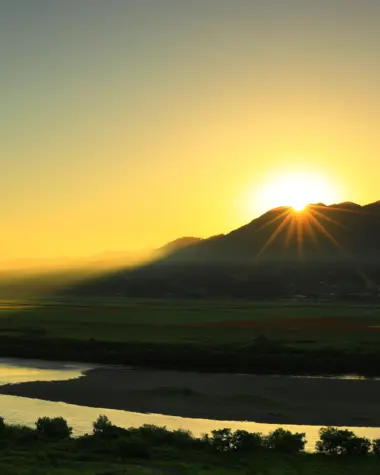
336, 244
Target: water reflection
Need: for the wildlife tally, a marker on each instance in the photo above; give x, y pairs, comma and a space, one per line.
14, 370
19, 410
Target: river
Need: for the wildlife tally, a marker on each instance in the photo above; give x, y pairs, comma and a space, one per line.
25, 411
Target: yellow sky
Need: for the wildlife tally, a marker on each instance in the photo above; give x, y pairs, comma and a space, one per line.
128, 124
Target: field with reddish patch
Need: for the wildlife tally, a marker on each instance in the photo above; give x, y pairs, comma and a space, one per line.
193, 321
351, 324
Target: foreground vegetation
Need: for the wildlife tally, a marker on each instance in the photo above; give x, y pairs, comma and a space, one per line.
253, 337
148, 450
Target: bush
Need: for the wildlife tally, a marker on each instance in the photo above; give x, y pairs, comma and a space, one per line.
158, 436
132, 447
104, 427
335, 441
20, 434
2, 425
284, 441
376, 447
55, 428
246, 442
167, 452
222, 440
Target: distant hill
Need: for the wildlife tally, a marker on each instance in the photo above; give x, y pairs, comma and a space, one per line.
37, 277
279, 252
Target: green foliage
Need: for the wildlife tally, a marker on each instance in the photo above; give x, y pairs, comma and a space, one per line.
132, 447
159, 436
2, 425
222, 440
284, 441
376, 447
150, 450
335, 441
102, 425
53, 428
247, 441
19, 434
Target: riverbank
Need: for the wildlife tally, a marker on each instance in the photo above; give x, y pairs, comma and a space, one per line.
260, 356
268, 399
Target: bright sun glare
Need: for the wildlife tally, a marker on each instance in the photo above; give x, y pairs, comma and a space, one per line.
296, 190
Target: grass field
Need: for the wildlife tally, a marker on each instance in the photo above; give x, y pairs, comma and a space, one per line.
163, 320
27, 463
243, 336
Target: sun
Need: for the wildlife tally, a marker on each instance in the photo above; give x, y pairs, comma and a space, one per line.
296, 190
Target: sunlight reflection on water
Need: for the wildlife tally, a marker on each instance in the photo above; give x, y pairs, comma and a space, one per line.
19, 410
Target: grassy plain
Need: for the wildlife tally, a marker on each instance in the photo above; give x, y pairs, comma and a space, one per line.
220, 335
164, 320
57, 463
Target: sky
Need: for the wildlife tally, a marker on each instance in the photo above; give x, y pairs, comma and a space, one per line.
125, 124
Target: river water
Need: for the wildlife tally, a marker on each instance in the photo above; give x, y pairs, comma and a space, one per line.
25, 411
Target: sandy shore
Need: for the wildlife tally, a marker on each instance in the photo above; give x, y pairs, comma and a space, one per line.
281, 400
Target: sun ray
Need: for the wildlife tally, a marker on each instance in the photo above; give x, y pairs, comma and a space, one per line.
361, 274
290, 231
300, 237
335, 209
326, 233
310, 230
327, 218
285, 213
274, 235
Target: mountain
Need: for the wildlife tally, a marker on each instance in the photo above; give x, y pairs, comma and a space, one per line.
176, 245
337, 245
334, 233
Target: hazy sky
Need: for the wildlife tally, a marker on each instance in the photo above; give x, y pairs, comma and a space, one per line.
127, 123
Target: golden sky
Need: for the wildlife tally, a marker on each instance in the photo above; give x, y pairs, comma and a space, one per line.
127, 123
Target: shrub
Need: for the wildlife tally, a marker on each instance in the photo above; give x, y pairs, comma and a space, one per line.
358, 446
133, 447
376, 447
20, 434
104, 427
245, 441
222, 440
158, 436
335, 441
167, 452
2, 425
53, 428
282, 440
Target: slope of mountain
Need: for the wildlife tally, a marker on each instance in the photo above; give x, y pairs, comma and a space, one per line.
334, 244
338, 232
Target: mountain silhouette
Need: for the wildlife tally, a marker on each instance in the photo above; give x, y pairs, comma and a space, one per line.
337, 232
337, 245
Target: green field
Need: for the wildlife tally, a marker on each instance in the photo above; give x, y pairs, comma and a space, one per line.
221, 335
55, 463
127, 320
